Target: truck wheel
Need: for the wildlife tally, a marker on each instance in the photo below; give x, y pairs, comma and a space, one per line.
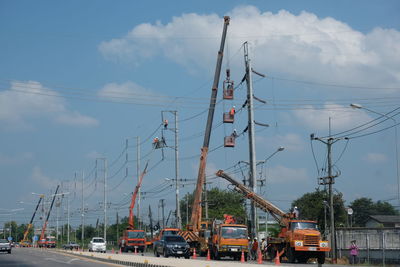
291, 255
166, 253
321, 258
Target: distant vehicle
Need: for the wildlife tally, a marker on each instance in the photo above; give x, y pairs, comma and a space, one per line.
97, 244
51, 242
172, 245
71, 246
5, 246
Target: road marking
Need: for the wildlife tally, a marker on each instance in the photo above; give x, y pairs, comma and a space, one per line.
87, 259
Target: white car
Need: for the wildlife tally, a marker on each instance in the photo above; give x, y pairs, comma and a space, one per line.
97, 244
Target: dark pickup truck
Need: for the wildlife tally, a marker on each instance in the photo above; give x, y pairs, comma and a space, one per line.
172, 245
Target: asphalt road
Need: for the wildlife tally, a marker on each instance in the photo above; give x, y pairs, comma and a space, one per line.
27, 257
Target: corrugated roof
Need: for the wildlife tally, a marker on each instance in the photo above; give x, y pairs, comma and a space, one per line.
386, 218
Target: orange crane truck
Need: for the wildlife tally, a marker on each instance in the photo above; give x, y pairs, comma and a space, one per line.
228, 239
298, 240
24, 241
197, 231
43, 241
132, 238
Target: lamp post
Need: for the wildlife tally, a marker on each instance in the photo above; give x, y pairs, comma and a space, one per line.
358, 106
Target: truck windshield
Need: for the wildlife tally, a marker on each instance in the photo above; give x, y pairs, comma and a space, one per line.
98, 240
135, 234
50, 239
234, 232
303, 225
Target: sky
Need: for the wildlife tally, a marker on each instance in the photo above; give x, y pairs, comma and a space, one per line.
84, 81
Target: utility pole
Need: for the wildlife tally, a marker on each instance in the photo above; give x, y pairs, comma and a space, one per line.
138, 177
330, 180
178, 210
105, 200
151, 222
68, 227
252, 150
178, 219
83, 211
162, 212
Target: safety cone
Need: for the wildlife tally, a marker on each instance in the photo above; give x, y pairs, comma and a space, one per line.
277, 261
242, 257
112, 251
208, 255
194, 254
120, 250
259, 256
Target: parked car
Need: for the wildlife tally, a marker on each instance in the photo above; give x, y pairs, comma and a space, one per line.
71, 246
97, 244
172, 245
5, 245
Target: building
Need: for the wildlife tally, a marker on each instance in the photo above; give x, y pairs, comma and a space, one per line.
389, 221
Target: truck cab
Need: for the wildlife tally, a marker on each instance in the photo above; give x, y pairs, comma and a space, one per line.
133, 240
229, 240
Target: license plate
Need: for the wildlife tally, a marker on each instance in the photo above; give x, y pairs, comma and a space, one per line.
180, 252
312, 249
234, 249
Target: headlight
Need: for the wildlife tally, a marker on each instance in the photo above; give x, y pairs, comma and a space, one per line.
170, 246
323, 244
298, 243
187, 246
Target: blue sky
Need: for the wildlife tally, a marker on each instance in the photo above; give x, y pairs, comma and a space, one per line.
78, 78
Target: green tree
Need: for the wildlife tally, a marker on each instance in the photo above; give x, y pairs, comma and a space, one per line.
220, 202
311, 207
364, 207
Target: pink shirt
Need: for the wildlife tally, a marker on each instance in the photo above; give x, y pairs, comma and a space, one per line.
353, 250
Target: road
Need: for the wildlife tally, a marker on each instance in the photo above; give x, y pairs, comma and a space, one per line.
28, 257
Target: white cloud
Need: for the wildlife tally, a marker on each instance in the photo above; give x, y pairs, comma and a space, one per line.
15, 159
76, 119
41, 179
342, 117
127, 89
281, 174
375, 158
301, 45
94, 155
290, 142
27, 100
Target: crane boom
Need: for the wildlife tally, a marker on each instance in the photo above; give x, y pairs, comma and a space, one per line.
133, 201
261, 203
48, 215
196, 208
24, 239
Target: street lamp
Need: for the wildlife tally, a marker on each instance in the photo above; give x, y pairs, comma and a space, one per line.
358, 106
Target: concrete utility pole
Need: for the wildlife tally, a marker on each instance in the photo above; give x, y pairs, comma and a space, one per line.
68, 223
83, 211
105, 200
178, 210
162, 212
330, 180
178, 219
138, 177
252, 150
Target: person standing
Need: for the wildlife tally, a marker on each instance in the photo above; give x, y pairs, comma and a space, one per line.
254, 248
353, 252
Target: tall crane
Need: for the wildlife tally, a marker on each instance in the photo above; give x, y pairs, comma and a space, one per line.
133, 239
196, 208
42, 241
28, 228
298, 240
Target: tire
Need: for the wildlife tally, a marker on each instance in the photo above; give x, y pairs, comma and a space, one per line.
165, 254
9, 252
321, 258
156, 253
291, 255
